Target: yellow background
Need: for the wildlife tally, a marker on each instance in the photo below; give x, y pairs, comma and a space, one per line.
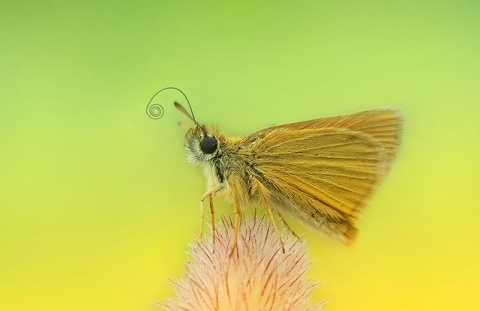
97, 203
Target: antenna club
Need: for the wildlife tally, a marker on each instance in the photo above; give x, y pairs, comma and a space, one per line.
158, 107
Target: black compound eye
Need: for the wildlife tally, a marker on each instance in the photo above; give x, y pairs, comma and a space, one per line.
209, 144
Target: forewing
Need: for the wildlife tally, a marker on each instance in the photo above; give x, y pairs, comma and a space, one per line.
383, 125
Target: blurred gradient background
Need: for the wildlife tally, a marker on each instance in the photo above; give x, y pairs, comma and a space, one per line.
97, 202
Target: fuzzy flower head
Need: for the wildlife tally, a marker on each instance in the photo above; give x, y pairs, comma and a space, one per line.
259, 276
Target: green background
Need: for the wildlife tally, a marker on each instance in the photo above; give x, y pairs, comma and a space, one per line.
97, 203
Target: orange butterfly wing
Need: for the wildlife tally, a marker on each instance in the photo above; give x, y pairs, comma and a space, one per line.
323, 171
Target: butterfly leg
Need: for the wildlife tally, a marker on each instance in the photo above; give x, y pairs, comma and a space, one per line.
236, 207
212, 212
210, 195
287, 226
263, 197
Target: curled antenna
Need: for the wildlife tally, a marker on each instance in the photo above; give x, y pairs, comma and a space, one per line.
155, 111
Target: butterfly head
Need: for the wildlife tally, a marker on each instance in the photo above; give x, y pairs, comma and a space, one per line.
201, 144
